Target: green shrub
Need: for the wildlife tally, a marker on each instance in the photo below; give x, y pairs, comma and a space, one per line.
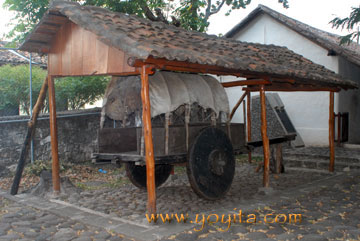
38, 166
71, 92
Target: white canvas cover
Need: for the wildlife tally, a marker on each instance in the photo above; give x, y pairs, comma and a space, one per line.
168, 91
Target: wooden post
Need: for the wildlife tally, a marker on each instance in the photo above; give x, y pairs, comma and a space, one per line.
244, 116
149, 148
29, 135
339, 129
248, 116
237, 106
278, 158
331, 133
54, 137
167, 122
265, 138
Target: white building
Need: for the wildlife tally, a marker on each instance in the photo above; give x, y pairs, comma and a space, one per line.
309, 111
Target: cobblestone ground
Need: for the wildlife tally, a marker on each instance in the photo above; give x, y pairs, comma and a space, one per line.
331, 213
18, 222
176, 194
340, 152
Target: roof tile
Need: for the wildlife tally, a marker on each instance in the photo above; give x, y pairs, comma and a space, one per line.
7, 57
142, 38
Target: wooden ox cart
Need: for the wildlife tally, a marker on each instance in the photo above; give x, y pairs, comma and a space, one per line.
190, 124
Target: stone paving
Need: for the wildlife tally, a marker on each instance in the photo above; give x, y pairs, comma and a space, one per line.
176, 194
332, 212
329, 204
352, 154
19, 222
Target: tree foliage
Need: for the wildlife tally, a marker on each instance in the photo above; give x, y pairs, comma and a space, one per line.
75, 92
350, 23
71, 92
190, 14
14, 86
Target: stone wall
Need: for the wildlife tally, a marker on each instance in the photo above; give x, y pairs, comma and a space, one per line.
77, 136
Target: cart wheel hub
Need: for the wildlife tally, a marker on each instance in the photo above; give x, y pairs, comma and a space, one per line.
217, 162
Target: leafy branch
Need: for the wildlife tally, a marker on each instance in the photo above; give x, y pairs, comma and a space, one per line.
349, 23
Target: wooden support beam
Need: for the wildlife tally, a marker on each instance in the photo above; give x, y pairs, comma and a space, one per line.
29, 136
278, 158
245, 82
136, 72
331, 133
291, 87
248, 116
244, 119
174, 65
265, 138
54, 137
149, 148
338, 129
237, 106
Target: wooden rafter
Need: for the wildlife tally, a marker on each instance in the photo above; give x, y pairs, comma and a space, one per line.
290, 88
246, 83
173, 65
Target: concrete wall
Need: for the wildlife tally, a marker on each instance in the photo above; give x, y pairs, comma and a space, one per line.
349, 101
309, 111
77, 135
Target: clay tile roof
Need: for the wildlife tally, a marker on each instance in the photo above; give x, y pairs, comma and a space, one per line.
142, 38
8, 57
327, 40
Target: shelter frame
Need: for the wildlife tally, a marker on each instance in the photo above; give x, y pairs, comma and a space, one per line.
251, 84
68, 31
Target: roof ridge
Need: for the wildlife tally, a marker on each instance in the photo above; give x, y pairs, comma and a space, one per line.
270, 10
323, 38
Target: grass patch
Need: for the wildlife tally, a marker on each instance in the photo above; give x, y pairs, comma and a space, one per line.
180, 169
35, 169
243, 158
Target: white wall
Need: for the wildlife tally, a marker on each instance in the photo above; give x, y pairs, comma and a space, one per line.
309, 111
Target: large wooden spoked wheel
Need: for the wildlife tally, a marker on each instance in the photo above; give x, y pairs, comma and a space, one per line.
211, 165
137, 174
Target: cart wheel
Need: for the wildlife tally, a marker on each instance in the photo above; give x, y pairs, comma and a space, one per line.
211, 165
137, 174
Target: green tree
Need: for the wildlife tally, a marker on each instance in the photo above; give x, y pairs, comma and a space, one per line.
75, 92
71, 92
14, 86
190, 14
350, 23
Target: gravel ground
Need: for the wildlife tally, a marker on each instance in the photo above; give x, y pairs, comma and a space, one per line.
176, 194
330, 213
340, 152
19, 222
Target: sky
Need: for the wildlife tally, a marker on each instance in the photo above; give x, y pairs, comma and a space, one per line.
316, 13
5, 17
